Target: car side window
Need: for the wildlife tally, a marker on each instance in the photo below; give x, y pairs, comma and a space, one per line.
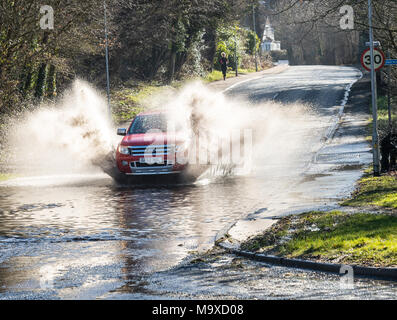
136, 126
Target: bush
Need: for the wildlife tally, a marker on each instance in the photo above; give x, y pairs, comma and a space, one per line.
279, 55
228, 38
194, 66
251, 39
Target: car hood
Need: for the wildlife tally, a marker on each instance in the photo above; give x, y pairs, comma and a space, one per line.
160, 138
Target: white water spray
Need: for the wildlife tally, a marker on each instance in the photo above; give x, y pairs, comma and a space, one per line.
75, 135
67, 137
279, 131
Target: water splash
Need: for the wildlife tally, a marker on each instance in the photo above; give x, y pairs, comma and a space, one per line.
75, 135
279, 131
66, 137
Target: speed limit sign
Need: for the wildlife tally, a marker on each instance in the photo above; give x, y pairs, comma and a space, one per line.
379, 59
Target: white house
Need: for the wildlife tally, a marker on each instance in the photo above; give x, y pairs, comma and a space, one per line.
268, 42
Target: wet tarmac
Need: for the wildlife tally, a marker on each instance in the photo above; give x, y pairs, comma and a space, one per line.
85, 237
223, 276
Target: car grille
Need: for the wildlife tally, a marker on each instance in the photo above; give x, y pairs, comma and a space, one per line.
157, 150
146, 165
138, 168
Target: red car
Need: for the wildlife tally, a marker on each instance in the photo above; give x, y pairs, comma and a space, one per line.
151, 147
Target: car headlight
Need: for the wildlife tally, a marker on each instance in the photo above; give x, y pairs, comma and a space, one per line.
123, 149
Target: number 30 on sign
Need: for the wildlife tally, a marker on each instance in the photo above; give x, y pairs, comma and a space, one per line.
379, 59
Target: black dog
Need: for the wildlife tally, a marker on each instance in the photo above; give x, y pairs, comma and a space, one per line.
388, 149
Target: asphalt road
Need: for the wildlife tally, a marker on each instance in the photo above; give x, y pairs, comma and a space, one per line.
84, 237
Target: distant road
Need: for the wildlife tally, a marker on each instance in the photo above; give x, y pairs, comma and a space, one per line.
322, 86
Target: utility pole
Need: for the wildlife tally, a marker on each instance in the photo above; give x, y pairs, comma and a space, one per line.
375, 137
235, 52
254, 24
107, 62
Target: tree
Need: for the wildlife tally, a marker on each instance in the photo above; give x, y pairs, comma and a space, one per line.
26, 49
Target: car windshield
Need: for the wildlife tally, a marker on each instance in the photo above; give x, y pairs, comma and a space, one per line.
145, 123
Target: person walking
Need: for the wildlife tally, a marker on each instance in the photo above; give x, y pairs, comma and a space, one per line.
223, 61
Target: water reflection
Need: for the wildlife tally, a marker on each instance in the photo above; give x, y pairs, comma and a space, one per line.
135, 230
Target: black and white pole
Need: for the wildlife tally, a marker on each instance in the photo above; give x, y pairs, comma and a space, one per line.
375, 137
107, 61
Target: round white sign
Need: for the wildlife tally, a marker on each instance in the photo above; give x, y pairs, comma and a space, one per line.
379, 59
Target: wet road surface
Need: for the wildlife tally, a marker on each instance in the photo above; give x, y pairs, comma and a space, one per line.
84, 237
220, 276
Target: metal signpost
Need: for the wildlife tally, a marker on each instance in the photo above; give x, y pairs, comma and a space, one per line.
375, 137
389, 93
373, 59
235, 52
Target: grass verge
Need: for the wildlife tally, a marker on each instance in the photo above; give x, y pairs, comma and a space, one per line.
128, 101
375, 191
342, 237
383, 118
133, 97
336, 237
216, 75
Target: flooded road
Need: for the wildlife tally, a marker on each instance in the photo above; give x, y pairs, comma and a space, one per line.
84, 237
98, 225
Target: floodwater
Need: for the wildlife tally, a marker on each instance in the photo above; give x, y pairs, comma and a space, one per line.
71, 236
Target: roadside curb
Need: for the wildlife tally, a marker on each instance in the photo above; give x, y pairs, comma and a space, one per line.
380, 273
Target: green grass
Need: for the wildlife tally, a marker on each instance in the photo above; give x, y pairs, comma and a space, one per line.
133, 97
131, 100
216, 75
375, 191
6, 176
383, 118
383, 115
340, 237
361, 238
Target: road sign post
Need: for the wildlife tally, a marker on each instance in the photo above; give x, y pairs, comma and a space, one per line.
235, 52
389, 93
375, 137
